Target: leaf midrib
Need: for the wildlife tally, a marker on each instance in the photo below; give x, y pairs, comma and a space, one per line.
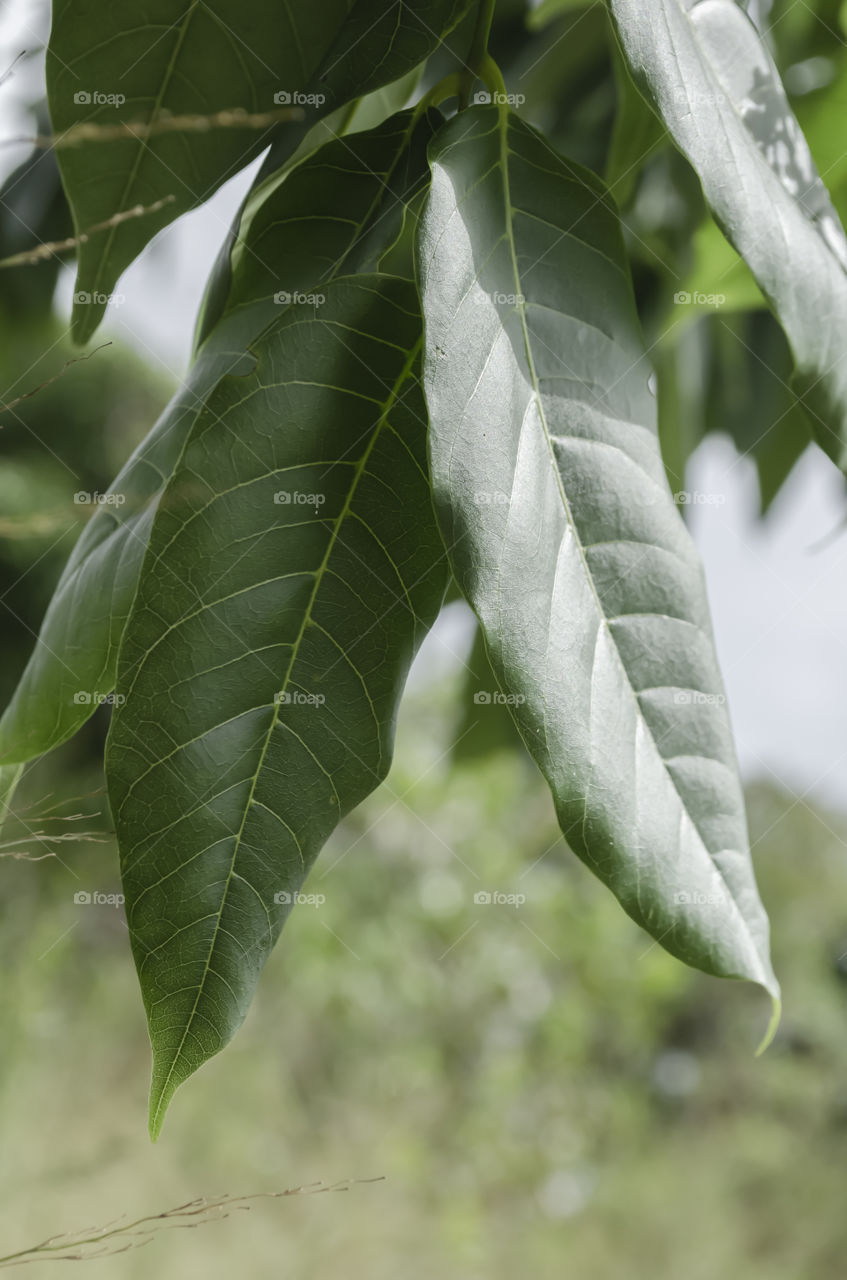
404, 374
503, 123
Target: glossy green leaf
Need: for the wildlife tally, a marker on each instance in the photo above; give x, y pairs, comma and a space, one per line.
293, 568
679, 432
565, 538
718, 277
33, 210
729, 373
637, 135
714, 82
73, 666
10, 776
748, 395
821, 117
543, 12
484, 725
198, 60
358, 116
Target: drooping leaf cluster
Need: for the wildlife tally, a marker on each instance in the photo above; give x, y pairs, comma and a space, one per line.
419, 359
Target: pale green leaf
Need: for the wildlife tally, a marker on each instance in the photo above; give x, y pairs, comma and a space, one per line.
10, 776
715, 85
564, 536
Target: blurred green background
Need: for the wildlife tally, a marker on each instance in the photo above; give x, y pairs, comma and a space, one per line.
542, 1088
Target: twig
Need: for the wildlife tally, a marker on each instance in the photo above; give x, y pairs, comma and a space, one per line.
10, 70
118, 1236
39, 525
44, 837
42, 251
12, 849
41, 813
88, 131
56, 376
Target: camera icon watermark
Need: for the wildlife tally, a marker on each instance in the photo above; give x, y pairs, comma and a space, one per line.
83, 298
482, 98
84, 698
694, 498
95, 98
692, 99
285, 898
696, 698
687, 898
83, 499
297, 698
285, 298
496, 898
286, 98
84, 898
696, 299
294, 498
489, 697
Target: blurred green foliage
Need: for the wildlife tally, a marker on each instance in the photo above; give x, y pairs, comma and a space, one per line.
69, 438
65, 428
545, 1090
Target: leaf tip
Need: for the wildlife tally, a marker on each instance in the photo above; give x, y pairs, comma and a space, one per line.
85, 317
163, 1086
160, 1099
771, 1030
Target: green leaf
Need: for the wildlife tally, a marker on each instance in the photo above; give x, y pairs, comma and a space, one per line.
10, 776
821, 117
485, 726
730, 374
74, 663
358, 116
543, 12
717, 273
72, 668
748, 396
33, 210
294, 566
199, 60
717, 89
383, 169
565, 538
679, 431
637, 135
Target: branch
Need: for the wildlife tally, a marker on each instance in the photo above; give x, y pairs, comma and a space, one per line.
30, 256
118, 1236
56, 376
45, 816
234, 118
10, 70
